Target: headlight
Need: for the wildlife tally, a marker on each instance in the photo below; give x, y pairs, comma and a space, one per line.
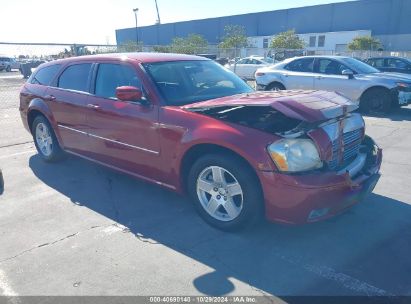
295, 155
404, 85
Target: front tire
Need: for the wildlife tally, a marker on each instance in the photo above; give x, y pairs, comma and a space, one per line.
8, 69
45, 140
226, 192
376, 100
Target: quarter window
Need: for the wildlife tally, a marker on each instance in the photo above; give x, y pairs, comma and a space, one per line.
75, 77
45, 75
111, 76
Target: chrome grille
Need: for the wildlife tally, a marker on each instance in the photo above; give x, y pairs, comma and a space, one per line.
351, 145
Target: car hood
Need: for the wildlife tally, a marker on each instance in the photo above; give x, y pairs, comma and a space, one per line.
389, 76
309, 106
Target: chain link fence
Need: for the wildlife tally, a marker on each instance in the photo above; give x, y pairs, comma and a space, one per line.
31, 55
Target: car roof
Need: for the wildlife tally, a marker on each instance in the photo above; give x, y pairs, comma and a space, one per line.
389, 57
141, 57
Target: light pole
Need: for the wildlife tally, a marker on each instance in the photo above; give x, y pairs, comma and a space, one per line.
135, 10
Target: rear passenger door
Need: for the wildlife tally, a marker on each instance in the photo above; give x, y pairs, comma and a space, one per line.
123, 134
67, 99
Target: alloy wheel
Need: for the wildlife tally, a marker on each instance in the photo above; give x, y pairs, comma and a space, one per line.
43, 139
220, 193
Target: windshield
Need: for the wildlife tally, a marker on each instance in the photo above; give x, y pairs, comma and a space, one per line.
359, 66
185, 82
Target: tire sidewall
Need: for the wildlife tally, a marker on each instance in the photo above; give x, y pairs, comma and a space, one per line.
366, 101
56, 152
275, 85
252, 196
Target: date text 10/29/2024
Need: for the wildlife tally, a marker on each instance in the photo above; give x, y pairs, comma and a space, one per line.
203, 299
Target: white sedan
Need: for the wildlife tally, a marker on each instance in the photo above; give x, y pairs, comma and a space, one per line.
246, 67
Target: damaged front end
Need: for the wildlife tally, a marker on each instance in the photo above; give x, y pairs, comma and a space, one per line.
319, 131
325, 161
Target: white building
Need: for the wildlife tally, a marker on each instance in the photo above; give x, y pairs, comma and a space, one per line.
327, 42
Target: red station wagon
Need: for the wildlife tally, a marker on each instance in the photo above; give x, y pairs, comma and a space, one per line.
188, 124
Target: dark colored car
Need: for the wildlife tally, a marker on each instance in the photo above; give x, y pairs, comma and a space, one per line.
190, 125
390, 64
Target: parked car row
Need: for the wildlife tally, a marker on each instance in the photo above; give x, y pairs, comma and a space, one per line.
367, 86
190, 125
7, 64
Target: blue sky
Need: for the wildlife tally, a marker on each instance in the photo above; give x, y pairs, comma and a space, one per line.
95, 21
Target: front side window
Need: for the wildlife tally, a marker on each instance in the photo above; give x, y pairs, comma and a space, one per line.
111, 76
301, 65
330, 67
396, 63
359, 66
75, 77
45, 75
184, 82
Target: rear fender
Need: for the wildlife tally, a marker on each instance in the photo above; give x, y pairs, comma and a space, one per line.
39, 105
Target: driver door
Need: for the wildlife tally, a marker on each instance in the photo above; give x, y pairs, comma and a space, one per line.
122, 134
329, 78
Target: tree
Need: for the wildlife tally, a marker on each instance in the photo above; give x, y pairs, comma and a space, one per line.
234, 37
192, 44
130, 46
288, 40
162, 48
364, 43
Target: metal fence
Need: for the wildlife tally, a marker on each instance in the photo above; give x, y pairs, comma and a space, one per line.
50, 51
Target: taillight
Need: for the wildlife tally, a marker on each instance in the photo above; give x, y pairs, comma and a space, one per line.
259, 74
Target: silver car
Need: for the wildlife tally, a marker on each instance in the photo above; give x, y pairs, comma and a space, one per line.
363, 84
246, 67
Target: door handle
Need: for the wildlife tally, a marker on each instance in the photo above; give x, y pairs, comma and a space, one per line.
50, 97
93, 106
319, 77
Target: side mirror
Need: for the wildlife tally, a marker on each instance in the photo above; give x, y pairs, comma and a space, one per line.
129, 93
348, 73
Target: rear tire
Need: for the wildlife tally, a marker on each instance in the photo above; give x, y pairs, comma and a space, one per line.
275, 86
8, 69
226, 192
376, 100
45, 140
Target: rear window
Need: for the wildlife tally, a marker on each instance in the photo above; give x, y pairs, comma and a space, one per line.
45, 75
75, 77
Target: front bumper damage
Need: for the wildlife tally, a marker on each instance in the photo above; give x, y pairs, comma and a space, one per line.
304, 198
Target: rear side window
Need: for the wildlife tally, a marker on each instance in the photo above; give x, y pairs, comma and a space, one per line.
110, 76
301, 65
45, 75
376, 63
75, 77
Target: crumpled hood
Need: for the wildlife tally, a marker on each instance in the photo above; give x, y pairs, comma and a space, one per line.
309, 106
